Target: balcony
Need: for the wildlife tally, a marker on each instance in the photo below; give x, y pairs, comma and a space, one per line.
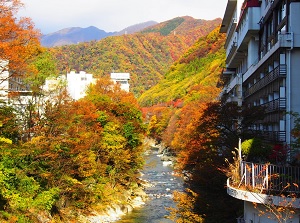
234, 82
230, 8
275, 105
274, 136
269, 178
265, 183
231, 51
279, 71
248, 27
230, 31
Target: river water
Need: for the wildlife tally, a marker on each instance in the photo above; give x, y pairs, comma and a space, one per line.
163, 183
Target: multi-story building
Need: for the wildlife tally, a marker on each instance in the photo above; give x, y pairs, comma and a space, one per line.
77, 83
4, 75
262, 60
11, 85
263, 69
122, 79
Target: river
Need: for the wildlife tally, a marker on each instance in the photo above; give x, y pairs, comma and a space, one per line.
163, 183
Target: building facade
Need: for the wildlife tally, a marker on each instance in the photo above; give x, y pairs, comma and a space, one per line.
263, 61
263, 69
77, 83
4, 84
122, 79
11, 85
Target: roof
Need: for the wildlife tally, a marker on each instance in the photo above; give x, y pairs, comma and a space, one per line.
231, 5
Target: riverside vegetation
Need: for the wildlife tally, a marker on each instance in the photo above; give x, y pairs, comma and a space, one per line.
61, 160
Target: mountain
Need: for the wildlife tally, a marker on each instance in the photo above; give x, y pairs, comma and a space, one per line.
136, 28
76, 35
183, 113
73, 35
146, 55
200, 65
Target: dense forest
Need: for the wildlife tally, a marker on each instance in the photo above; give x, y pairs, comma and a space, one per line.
184, 113
146, 55
61, 159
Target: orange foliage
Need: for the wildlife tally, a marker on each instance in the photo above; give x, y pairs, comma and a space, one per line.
18, 39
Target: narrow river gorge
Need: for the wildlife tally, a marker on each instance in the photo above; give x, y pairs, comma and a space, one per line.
163, 183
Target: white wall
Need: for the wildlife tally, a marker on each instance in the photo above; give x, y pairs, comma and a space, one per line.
77, 84
122, 79
252, 214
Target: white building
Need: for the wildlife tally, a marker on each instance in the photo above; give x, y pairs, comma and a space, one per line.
4, 75
122, 79
12, 86
262, 69
262, 61
77, 83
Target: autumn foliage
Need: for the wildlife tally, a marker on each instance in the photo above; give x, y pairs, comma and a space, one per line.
185, 115
146, 55
65, 157
81, 155
19, 41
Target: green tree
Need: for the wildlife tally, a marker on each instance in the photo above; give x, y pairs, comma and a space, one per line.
9, 127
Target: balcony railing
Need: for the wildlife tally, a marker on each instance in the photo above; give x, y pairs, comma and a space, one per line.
279, 71
275, 105
230, 31
274, 136
231, 52
269, 178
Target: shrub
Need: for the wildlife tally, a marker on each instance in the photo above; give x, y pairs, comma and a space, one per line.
255, 150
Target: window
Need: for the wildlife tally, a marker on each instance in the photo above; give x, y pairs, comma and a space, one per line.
281, 12
122, 82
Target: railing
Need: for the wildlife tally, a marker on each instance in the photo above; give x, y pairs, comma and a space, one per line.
230, 31
240, 219
233, 48
279, 71
274, 136
268, 178
275, 105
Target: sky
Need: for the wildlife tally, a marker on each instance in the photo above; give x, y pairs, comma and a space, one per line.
115, 15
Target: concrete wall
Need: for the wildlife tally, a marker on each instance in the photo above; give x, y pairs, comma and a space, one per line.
253, 214
77, 84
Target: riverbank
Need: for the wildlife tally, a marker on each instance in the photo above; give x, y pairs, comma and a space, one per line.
115, 211
164, 181
136, 198
166, 156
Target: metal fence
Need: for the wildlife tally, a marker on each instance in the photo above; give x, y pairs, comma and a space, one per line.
270, 178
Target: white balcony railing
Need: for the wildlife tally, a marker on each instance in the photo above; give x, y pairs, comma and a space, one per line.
269, 178
230, 31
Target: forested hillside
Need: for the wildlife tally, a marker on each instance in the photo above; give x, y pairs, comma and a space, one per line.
184, 114
61, 160
199, 66
146, 56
